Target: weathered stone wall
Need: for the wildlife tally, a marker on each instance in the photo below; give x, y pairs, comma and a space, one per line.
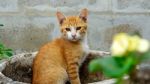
28, 24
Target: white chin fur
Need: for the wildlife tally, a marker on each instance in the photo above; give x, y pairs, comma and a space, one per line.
69, 36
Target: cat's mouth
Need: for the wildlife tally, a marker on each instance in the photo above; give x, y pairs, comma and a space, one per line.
75, 39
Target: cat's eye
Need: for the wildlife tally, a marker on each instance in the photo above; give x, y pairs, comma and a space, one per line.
67, 29
78, 28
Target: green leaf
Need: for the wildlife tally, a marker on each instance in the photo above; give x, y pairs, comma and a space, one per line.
145, 56
9, 54
94, 65
1, 46
8, 49
112, 66
5, 52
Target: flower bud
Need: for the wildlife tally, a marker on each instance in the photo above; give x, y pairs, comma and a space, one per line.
133, 43
120, 44
143, 46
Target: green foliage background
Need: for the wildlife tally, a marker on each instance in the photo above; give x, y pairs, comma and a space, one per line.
4, 52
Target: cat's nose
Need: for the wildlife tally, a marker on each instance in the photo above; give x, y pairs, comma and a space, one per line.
73, 35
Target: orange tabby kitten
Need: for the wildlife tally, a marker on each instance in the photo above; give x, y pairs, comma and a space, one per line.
59, 60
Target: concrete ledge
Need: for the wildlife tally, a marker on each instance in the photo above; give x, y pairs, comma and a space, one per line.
109, 81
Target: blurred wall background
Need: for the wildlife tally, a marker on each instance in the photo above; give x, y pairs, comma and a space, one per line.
28, 24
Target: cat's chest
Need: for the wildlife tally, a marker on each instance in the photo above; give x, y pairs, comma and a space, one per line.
78, 53
85, 49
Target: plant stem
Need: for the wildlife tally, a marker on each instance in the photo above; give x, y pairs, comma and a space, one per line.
119, 81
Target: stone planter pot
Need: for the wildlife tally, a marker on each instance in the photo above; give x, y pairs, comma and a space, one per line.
18, 70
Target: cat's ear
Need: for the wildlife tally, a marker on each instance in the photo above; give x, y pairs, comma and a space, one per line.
60, 17
83, 14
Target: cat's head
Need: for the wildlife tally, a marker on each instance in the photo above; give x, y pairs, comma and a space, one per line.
73, 28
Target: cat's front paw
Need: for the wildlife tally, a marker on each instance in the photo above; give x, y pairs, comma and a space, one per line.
75, 81
104, 53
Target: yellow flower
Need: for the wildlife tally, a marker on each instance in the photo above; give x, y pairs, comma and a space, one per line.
123, 43
143, 46
120, 44
133, 43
